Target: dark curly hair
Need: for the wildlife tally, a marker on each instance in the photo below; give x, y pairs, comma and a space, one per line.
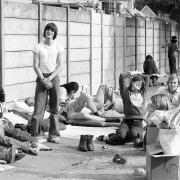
71, 86
137, 78
53, 27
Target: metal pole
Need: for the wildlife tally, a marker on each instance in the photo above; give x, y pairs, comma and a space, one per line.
135, 43
2, 66
115, 36
102, 48
40, 10
91, 51
68, 43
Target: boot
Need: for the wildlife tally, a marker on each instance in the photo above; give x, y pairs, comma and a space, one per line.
83, 143
90, 146
8, 155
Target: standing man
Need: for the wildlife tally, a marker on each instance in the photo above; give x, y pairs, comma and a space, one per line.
172, 47
47, 59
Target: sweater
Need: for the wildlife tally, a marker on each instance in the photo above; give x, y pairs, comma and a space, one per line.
132, 111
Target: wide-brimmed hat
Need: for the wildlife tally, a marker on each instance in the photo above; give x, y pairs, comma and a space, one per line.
173, 38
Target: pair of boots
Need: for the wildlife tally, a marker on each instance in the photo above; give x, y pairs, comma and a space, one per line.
86, 143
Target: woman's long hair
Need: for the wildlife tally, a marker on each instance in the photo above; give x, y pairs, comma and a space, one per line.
71, 87
160, 101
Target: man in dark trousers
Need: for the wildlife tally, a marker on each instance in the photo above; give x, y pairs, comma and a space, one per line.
172, 47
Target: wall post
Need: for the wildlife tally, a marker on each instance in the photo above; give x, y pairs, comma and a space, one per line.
102, 48
40, 11
91, 51
2, 64
68, 42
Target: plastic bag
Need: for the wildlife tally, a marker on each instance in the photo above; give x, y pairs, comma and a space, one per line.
170, 141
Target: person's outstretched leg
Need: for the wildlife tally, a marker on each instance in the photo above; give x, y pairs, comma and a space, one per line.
103, 94
83, 100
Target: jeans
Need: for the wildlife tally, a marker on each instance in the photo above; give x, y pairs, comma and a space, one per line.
129, 131
104, 94
41, 96
18, 134
79, 103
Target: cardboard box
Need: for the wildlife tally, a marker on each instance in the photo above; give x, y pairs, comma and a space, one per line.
160, 166
152, 134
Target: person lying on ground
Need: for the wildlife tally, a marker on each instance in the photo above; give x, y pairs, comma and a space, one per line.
21, 139
74, 107
150, 69
133, 90
172, 91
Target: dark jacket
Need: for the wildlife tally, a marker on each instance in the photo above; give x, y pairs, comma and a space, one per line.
149, 67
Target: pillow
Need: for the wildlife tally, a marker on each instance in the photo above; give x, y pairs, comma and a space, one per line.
156, 118
172, 118
112, 116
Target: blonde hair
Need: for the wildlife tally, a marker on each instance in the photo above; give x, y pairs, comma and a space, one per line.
160, 101
172, 77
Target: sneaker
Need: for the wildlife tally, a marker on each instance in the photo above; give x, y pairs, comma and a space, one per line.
33, 151
138, 143
39, 139
119, 159
55, 140
19, 156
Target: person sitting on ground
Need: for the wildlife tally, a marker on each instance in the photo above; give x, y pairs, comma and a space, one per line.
74, 107
172, 91
155, 110
150, 69
133, 92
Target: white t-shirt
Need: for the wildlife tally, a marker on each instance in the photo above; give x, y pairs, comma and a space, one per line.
63, 94
48, 56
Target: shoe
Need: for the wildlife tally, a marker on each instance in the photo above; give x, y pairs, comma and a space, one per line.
90, 146
83, 143
138, 143
96, 113
39, 139
33, 151
55, 140
119, 159
101, 138
19, 156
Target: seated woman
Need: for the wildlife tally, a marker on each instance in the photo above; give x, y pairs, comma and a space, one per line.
150, 69
74, 107
133, 93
